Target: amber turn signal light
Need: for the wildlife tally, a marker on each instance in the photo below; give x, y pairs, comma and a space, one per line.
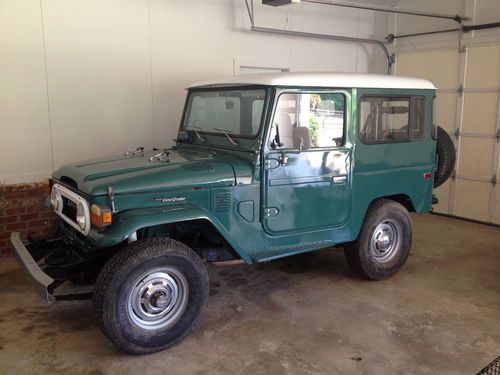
100, 215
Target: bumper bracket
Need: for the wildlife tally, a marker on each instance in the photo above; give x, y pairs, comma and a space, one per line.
43, 284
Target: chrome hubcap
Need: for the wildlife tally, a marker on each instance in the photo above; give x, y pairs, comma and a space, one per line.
385, 241
158, 298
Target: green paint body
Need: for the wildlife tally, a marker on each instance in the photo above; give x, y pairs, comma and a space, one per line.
263, 209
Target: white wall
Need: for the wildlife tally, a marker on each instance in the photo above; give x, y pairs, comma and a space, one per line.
87, 78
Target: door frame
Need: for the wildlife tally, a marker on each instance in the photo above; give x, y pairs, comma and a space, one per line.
266, 149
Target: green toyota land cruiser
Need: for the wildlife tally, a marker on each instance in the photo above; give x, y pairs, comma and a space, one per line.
263, 167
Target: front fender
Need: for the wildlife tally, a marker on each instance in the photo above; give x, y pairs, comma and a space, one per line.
130, 221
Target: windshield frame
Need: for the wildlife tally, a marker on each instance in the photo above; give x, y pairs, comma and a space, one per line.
226, 88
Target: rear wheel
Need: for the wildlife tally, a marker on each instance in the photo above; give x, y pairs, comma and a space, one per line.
384, 242
149, 296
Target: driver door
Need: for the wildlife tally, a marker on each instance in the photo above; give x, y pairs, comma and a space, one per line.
307, 181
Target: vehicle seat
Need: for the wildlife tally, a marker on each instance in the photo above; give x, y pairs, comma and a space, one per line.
284, 123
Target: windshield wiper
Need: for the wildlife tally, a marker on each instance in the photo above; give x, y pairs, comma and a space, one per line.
202, 139
226, 133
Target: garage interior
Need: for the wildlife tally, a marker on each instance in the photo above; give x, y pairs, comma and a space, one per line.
88, 79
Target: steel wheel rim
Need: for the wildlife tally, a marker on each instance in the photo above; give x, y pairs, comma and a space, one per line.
158, 298
385, 241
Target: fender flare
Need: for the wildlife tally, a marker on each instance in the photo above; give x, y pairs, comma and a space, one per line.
131, 221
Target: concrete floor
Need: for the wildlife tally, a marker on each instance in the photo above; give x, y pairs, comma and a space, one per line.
302, 315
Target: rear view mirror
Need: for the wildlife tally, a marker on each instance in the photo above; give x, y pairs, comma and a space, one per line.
301, 138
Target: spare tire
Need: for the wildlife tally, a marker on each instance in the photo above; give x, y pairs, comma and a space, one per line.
446, 157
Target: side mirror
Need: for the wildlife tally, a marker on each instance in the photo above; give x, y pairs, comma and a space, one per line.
301, 138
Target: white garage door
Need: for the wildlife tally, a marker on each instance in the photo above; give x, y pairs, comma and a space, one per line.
468, 108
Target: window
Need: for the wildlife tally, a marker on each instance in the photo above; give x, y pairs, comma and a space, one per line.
418, 117
386, 120
322, 115
434, 126
239, 112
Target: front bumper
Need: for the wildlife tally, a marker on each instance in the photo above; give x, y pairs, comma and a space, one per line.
43, 284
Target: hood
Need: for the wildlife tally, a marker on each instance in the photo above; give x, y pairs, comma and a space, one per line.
136, 173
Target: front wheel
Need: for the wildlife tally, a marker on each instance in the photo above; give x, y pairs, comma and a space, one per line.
149, 296
384, 242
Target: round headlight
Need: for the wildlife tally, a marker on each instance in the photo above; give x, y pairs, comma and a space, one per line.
54, 198
81, 218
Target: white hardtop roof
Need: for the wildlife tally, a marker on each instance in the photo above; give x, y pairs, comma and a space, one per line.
316, 79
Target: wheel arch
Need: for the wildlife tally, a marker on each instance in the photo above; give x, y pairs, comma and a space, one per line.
135, 220
403, 199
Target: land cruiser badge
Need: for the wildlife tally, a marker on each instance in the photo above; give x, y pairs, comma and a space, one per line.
169, 200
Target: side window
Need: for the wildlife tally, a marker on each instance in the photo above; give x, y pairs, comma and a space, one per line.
418, 117
384, 120
434, 126
322, 114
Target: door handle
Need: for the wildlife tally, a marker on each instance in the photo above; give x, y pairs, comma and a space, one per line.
283, 159
339, 179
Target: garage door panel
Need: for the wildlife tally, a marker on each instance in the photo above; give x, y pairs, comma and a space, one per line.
476, 157
483, 68
446, 109
472, 199
440, 67
480, 112
475, 114
497, 205
443, 195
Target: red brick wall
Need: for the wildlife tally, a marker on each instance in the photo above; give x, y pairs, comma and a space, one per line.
22, 209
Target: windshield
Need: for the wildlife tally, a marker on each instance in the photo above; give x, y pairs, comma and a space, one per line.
237, 112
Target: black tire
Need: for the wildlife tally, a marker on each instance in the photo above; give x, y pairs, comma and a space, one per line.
368, 256
446, 157
143, 279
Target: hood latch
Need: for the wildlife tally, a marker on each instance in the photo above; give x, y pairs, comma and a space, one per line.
163, 156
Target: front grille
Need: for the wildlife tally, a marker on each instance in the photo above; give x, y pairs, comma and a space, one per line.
69, 209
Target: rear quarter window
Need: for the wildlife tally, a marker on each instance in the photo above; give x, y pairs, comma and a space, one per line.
391, 119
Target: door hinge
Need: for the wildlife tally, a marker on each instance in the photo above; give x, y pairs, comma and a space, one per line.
494, 179
270, 212
271, 163
461, 89
497, 135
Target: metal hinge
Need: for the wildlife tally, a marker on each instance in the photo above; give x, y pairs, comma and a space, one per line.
494, 179
497, 135
163, 156
138, 151
270, 212
461, 89
271, 163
